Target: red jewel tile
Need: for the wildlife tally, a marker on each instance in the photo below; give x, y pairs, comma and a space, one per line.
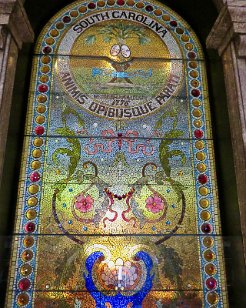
192, 55
24, 284
91, 5
120, 2
149, 8
66, 19
35, 176
211, 283
47, 49
39, 130
43, 88
202, 178
198, 133
173, 23
30, 227
206, 228
195, 92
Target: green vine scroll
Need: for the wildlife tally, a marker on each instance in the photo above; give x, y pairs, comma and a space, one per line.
73, 152
166, 153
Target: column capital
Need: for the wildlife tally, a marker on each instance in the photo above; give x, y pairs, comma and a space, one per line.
13, 19
230, 25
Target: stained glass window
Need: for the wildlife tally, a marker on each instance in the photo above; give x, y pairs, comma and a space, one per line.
117, 198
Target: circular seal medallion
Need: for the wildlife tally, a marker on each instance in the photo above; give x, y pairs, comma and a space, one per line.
119, 64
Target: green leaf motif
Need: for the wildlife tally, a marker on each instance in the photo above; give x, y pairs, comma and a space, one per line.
166, 154
90, 39
66, 265
72, 165
107, 39
163, 155
120, 32
60, 186
60, 151
159, 177
177, 187
173, 113
158, 124
73, 152
174, 134
178, 153
173, 268
67, 111
120, 157
175, 122
144, 40
165, 163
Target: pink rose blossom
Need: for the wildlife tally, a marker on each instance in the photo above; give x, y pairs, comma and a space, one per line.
154, 204
84, 204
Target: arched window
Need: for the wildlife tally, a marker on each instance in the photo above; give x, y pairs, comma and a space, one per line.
118, 198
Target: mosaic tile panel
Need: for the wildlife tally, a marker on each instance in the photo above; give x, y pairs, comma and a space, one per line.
117, 198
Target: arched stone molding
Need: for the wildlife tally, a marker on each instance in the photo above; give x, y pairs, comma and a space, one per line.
15, 30
228, 36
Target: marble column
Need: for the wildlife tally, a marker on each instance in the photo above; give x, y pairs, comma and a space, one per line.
228, 36
15, 30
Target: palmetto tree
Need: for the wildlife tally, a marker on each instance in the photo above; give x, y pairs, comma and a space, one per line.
120, 32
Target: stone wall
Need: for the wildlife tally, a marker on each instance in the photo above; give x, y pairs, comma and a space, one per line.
228, 36
14, 30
